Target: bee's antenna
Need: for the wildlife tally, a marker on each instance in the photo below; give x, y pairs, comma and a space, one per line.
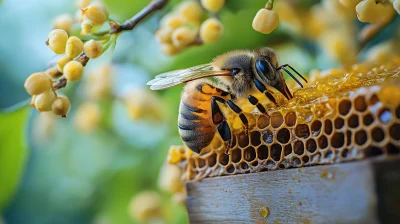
296, 72
291, 75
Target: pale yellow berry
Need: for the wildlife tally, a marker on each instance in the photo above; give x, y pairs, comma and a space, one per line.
369, 11
147, 106
61, 106
62, 62
32, 103
73, 71
74, 47
213, 5
88, 117
396, 5
265, 21
96, 13
170, 179
172, 21
144, 206
82, 3
164, 34
169, 49
93, 49
183, 36
99, 82
211, 30
57, 41
37, 83
63, 22
86, 27
349, 3
44, 101
191, 11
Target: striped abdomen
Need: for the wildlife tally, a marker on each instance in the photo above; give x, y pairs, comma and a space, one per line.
194, 122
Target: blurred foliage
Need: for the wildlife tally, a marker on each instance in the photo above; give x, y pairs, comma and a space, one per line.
13, 152
90, 177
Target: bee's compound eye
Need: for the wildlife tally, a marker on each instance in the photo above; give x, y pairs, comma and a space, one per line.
235, 71
263, 68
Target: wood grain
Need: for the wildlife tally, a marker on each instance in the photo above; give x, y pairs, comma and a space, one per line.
354, 192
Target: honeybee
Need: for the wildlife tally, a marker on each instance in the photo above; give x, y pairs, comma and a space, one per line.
229, 76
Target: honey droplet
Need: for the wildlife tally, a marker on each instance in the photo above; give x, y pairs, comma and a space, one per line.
327, 175
264, 211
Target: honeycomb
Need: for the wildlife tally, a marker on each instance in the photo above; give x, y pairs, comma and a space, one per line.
342, 115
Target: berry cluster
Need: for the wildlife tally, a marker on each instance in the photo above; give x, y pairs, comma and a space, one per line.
76, 52
185, 26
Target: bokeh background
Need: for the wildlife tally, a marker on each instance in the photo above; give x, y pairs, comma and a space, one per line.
86, 168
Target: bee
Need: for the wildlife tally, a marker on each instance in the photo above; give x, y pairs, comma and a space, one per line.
229, 76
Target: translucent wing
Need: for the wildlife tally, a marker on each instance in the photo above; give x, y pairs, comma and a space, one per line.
177, 77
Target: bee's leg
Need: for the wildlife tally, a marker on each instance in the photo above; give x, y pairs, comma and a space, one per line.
254, 101
219, 119
242, 117
261, 87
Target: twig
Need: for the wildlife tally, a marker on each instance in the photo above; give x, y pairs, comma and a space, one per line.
62, 81
136, 19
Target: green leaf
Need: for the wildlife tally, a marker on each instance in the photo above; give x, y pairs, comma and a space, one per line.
13, 152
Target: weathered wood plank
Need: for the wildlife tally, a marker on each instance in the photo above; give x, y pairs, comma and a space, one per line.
355, 192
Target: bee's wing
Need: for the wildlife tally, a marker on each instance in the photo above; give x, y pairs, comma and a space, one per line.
177, 77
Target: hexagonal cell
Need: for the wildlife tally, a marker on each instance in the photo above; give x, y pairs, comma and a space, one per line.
234, 142
323, 142
328, 127
373, 99
398, 112
352, 122
255, 138
373, 151
236, 155
377, 134
368, 119
254, 163
290, 119
339, 123
394, 131
276, 120
244, 166
392, 149
243, 140
263, 122
337, 140
262, 152
223, 159
348, 137
328, 154
212, 160
344, 107
271, 164
298, 147
361, 137
249, 154
296, 162
302, 131
276, 151
288, 149
283, 135
360, 104
230, 169
201, 162
316, 127
306, 159
344, 153
385, 115
268, 136
311, 145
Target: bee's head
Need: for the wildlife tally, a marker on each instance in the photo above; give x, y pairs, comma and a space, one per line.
239, 64
265, 64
